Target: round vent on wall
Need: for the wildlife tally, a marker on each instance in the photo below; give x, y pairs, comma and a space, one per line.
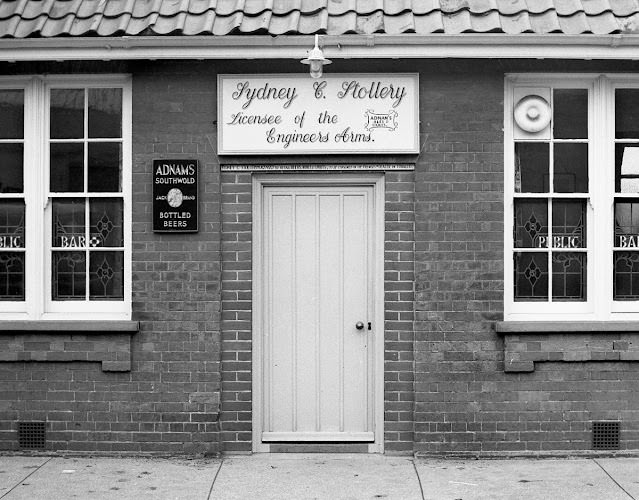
532, 113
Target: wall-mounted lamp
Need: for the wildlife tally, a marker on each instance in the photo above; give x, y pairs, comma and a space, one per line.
316, 60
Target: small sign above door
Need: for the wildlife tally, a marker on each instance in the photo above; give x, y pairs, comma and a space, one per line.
295, 114
175, 196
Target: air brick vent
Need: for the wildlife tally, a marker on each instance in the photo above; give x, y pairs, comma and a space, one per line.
605, 435
32, 435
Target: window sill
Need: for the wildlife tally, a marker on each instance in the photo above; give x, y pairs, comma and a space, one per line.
84, 326
513, 327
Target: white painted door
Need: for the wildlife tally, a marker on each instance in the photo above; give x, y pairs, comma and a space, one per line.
317, 366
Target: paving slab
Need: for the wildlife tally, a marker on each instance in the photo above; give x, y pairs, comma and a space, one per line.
625, 471
15, 469
516, 480
326, 476
109, 478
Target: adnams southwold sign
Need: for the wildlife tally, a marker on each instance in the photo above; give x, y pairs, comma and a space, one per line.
293, 114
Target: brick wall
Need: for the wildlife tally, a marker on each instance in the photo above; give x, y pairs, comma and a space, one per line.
168, 400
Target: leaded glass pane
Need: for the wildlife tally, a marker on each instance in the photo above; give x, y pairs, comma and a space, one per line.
69, 276
568, 276
531, 276
627, 168
106, 275
11, 224
532, 167
69, 229
627, 113
11, 114
106, 219
67, 114
11, 168
568, 224
105, 167
105, 113
626, 276
531, 223
67, 167
570, 113
627, 223
11, 276
571, 168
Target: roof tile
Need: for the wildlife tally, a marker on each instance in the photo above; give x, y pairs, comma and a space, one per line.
51, 18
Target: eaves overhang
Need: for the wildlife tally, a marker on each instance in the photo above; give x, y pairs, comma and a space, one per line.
376, 46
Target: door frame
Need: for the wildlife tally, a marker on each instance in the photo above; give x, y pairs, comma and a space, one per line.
376, 181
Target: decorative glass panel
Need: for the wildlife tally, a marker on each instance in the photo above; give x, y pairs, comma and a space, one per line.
105, 167
11, 168
531, 167
67, 114
627, 113
571, 168
11, 224
531, 276
626, 276
67, 167
568, 224
106, 275
105, 113
11, 276
11, 114
568, 276
69, 276
570, 113
627, 224
69, 229
106, 219
531, 224
627, 168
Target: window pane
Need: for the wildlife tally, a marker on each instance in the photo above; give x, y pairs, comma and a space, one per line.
627, 224
105, 167
11, 114
531, 224
570, 114
627, 113
568, 276
67, 168
68, 223
11, 276
627, 168
69, 276
626, 276
531, 276
11, 224
531, 167
571, 168
105, 113
568, 223
67, 114
11, 168
106, 275
106, 223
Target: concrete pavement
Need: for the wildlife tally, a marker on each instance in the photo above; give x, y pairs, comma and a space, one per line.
316, 476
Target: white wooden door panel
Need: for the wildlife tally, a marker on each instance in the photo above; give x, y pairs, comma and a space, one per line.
317, 367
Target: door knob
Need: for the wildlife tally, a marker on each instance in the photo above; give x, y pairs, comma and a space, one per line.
359, 325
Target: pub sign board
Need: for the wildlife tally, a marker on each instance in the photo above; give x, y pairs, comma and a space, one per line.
175, 196
335, 114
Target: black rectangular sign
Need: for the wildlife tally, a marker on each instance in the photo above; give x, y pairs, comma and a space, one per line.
175, 196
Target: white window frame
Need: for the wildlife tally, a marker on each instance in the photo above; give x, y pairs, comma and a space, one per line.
599, 305
38, 304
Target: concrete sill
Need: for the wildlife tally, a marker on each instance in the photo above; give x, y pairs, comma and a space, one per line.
84, 326
514, 327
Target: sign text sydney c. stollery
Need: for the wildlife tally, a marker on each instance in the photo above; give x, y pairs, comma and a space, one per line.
293, 114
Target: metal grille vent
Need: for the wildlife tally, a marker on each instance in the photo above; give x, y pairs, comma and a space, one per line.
605, 435
32, 435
